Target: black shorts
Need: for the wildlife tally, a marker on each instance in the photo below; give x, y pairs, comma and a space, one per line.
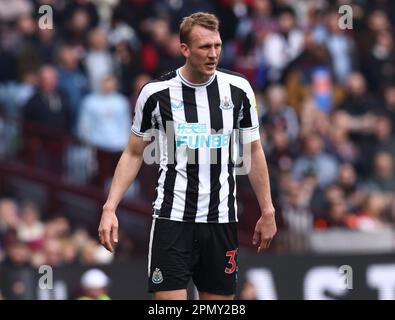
205, 252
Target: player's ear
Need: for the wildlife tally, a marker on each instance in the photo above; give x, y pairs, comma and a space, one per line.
184, 50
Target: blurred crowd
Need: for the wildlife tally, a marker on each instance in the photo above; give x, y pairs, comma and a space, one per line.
325, 95
28, 241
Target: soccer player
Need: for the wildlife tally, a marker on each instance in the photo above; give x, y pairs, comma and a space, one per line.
195, 110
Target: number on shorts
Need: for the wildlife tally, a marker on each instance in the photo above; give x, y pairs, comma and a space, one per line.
232, 261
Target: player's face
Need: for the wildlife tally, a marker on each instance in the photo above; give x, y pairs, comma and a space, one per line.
202, 52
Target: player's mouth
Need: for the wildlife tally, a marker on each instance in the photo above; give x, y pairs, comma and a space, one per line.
211, 65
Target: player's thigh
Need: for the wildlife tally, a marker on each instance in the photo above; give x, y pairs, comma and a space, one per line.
170, 254
216, 272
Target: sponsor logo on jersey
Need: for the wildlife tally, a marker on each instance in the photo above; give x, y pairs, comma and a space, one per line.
197, 135
177, 106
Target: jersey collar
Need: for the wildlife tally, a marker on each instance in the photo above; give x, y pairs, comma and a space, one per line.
195, 85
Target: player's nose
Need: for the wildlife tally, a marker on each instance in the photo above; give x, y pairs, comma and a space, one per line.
212, 53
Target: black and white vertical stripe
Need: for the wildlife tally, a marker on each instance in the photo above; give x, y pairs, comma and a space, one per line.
197, 184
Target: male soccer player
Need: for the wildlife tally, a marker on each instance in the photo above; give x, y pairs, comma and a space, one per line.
195, 109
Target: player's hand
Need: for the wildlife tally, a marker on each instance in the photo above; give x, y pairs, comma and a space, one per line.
265, 229
108, 230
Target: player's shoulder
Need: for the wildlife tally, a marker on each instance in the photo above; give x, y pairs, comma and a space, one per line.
235, 78
230, 73
168, 76
157, 84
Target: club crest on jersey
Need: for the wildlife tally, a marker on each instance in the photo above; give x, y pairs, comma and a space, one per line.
157, 276
226, 103
175, 106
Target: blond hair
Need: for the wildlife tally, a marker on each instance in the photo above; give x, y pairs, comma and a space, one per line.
206, 20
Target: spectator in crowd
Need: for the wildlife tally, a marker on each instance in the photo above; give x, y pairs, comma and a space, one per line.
338, 215
7, 65
372, 216
88, 253
24, 45
76, 27
30, 229
12, 9
158, 34
312, 119
94, 285
86, 6
280, 152
297, 216
104, 9
284, 46
105, 124
359, 101
9, 220
69, 252
253, 28
98, 61
389, 103
383, 133
340, 48
121, 32
72, 82
374, 22
126, 66
52, 250
383, 177
314, 160
278, 114
348, 182
171, 57
47, 120
14, 95
17, 276
47, 45
380, 67
339, 145
360, 105
57, 226
25, 90
52, 242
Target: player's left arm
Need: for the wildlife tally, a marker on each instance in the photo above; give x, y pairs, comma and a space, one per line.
265, 228
255, 162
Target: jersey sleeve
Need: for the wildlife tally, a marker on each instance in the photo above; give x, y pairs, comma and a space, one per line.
144, 117
248, 117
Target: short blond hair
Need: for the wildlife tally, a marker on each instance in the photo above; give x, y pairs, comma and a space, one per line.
206, 20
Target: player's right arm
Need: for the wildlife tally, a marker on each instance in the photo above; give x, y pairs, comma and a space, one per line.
128, 166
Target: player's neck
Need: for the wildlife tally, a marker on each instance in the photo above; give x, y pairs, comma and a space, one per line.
193, 77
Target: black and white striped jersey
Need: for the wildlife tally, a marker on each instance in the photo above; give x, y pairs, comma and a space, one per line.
196, 126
